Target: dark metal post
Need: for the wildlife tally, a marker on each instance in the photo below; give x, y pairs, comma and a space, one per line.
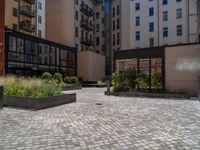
1, 97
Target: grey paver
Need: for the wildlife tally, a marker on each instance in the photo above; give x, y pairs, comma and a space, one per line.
119, 123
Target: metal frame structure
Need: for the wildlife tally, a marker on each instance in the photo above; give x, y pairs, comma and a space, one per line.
145, 53
31, 56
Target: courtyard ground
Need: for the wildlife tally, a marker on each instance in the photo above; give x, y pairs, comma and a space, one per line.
98, 122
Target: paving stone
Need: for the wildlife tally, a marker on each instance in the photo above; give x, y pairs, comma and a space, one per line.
119, 123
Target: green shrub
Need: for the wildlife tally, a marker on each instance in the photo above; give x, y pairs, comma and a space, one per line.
28, 87
156, 80
130, 78
46, 76
125, 81
58, 77
73, 80
45, 91
67, 80
143, 81
101, 83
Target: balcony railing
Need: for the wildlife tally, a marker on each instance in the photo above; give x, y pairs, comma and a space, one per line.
87, 10
27, 11
27, 26
86, 25
86, 41
29, 1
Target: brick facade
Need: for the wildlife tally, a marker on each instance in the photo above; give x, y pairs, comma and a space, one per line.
2, 11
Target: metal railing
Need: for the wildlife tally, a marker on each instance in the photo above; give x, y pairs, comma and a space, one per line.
27, 11
24, 25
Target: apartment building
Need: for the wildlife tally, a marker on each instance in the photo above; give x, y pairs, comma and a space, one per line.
26, 16
159, 23
81, 24
24, 49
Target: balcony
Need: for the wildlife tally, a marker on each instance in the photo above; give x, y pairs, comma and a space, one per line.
27, 11
87, 10
27, 26
86, 25
86, 41
32, 2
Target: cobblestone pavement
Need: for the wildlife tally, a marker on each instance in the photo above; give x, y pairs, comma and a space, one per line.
100, 122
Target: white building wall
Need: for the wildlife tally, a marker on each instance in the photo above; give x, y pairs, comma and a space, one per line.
41, 12
188, 22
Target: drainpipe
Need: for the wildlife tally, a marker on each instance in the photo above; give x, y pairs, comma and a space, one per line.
1, 97
188, 21
158, 22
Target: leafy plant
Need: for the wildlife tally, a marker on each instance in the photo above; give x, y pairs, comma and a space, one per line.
143, 81
28, 87
73, 80
46, 76
156, 80
58, 77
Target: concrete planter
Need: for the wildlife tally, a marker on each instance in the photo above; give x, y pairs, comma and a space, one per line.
76, 87
149, 95
38, 103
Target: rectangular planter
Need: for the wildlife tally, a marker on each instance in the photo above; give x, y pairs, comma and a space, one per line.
76, 87
149, 95
38, 103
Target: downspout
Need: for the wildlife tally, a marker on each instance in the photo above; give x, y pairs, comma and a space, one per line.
158, 22
188, 21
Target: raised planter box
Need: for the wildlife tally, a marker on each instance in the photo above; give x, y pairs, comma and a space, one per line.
76, 87
38, 103
94, 85
149, 95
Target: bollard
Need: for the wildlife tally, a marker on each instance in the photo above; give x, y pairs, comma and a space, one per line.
1, 97
108, 86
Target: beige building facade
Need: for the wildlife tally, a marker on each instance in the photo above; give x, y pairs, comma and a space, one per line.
183, 68
78, 23
26, 16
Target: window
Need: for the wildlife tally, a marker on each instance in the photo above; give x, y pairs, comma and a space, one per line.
117, 23
137, 36
118, 38
137, 6
97, 15
179, 13
97, 27
97, 41
165, 2
118, 12
113, 12
179, 30
39, 19
39, 33
39, 5
76, 31
178, 0
76, 2
151, 11
14, 27
76, 15
165, 32
151, 42
113, 25
137, 23
151, 27
113, 39
165, 16
15, 12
